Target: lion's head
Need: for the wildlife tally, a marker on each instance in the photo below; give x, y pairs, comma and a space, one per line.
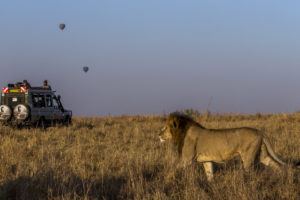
165, 134
176, 128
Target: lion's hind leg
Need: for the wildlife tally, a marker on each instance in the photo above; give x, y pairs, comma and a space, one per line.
209, 170
266, 159
250, 154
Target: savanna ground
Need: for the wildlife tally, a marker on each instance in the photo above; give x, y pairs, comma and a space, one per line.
122, 158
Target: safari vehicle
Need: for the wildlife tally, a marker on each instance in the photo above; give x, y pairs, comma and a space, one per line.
23, 105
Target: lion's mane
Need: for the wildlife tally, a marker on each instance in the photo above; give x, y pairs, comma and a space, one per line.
179, 124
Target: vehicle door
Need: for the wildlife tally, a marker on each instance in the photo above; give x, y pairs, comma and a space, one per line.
58, 114
35, 107
49, 109
43, 111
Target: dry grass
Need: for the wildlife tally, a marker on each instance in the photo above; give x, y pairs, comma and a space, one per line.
121, 158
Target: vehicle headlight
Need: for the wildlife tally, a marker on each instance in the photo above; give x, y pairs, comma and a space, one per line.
21, 112
5, 112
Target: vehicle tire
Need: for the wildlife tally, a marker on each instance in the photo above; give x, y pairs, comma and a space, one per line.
42, 124
68, 122
5, 113
21, 112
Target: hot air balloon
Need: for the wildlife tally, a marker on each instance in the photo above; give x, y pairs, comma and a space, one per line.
62, 26
85, 69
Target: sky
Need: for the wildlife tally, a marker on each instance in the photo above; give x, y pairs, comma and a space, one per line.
158, 56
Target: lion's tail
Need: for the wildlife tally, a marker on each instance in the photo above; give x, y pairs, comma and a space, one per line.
271, 151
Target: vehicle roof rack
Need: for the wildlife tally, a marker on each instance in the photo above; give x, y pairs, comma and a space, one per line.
18, 85
39, 88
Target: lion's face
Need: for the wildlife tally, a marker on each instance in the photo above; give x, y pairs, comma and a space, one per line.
165, 134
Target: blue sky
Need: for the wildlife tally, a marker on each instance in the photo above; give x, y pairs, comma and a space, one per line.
149, 57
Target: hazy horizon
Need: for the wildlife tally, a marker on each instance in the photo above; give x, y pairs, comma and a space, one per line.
150, 57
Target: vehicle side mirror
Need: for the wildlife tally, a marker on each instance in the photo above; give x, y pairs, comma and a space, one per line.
58, 97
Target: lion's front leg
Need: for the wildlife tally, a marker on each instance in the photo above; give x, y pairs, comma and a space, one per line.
188, 151
209, 170
187, 156
185, 162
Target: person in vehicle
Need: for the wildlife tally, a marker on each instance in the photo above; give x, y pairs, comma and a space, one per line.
45, 85
26, 84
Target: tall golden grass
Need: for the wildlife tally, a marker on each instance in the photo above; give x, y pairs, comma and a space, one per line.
122, 158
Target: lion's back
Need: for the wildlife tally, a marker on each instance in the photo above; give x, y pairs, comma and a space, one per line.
219, 144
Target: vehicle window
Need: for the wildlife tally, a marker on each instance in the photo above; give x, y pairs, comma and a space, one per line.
55, 104
35, 99
38, 100
48, 100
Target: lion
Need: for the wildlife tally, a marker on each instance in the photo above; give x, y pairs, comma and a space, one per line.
208, 146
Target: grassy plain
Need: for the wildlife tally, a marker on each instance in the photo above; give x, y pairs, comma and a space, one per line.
122, 158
